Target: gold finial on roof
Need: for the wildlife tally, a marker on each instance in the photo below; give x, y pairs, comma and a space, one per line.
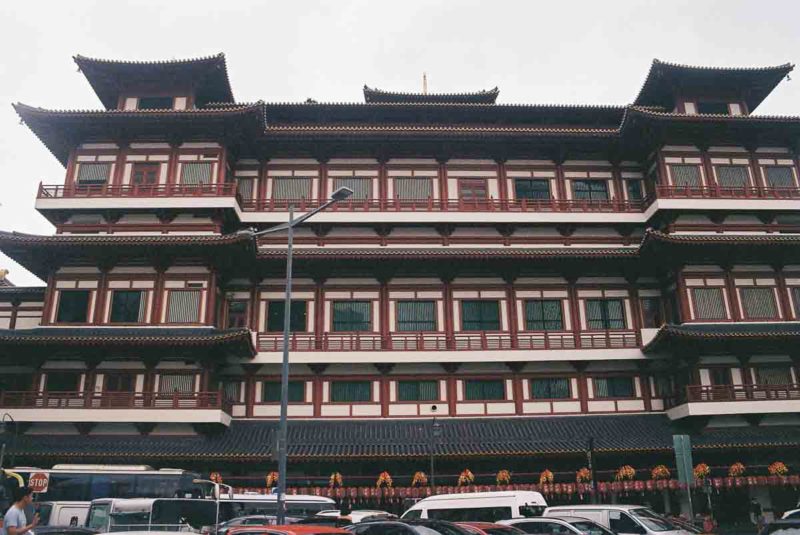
3, 273
424, 83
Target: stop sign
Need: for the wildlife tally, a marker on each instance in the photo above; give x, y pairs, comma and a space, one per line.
39, 481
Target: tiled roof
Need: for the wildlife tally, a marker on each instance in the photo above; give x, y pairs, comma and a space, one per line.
10, 238
712, 334
30, 293
403, 439
448, 252
739, 239
412, 130
483, 97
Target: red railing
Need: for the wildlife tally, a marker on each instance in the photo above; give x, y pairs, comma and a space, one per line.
706, 393
114, 400
458, 342
722, 192
227, 189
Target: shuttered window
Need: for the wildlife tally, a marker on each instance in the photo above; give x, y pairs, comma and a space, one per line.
590, 190
180, 383
145, 174
480, 315
351, 391
128, 306
73, 306
291, 189
63, 381
413, 189
416, 316
779, 176
531, 188
614, 387
709, 303
237, 314
298, 316
543, 315
796, 301
244, 187
155, 103
417, 390
634, 188
732, 176
652, 316
93, 173
605, 314
362, 187
271, 392
196, 173
685, 175
550, 388
774, 375
472, 189
352, 316
484, 390
184, 306
231, 390
758, 303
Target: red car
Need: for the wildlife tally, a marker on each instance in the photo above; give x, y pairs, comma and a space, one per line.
291, 529
488, 528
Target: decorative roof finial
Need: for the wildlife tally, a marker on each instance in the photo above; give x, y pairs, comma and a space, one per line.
3, 273
424, 83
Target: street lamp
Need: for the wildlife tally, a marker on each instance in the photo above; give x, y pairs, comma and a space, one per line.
3, 430
436, 432
281, 446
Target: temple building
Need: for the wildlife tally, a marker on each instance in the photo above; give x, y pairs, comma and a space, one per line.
510, 286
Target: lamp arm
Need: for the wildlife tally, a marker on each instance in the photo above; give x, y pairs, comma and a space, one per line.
296, 221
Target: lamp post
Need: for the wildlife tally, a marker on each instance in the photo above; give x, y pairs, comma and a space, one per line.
436, 432
3, 430
281, 446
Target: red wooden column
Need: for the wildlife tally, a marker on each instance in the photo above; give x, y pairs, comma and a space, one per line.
49, 299
100, 295
250, 371
747, 373
449, 327
583, 390
119, 165
322, 193
644, 381
616, 177
708, 169
574, 312
319, 312
158, 294
69, 179
383, 182
511, 308
318, 370
730, 286
452, 391
561, 184
683, 297
516, 383
384, 370
783, 293
89, 380
172, 165
383, 311
502, 182
12, 322
255, 306
211, 298
636, 312
444, 194
261, 195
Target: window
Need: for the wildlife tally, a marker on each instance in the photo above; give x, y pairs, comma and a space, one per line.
155, 103
271, 392
590, 190
93, 173
73, 306
484, 390
652, 314
352, 316
128, 306
119, 382
471, 514
362, 187
664, 388
620, 522
63, 381
711, 107
413, 189
176, 383
297, 316
614, 387
416, 316
605, 314
472, 189
231, 390
774, 375
796, 301
351, 391
16, 382
732, 176
720, 376
184, 306
195, 173
634, 189
244, 187
417, 390
543, 315
237, 314
145, 173
685, 175
709, 304
531, 188
758, 303
480, 315
291, 189
779, 176
550, 388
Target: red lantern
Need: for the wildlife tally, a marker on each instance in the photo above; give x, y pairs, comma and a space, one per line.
673, 484
638, 486
650, 485
717, 482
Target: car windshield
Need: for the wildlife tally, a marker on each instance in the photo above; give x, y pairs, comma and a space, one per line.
778, 529
497, 530
652, 521
591, 528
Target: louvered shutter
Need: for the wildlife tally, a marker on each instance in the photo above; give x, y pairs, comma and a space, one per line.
351, 391
413, 189
685, 175
759, 303
543, 315
195, 173
93, 173
709, 303
171, 383
244, 187
796, 300
774, 375
615, 314
291, 189
184, 306
594, 314
416, 316
350, 316
484, 390
732, 176
550, 388
779, 176
230, 389
361, 186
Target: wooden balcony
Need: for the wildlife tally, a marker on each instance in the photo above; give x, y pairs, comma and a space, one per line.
227, 189
722, 192
196, 407
478, 341
705, 400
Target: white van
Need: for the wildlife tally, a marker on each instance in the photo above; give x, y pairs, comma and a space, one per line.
621, 519
479, 506
62, 513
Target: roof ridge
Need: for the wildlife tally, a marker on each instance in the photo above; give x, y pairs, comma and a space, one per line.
495, 90
78, 58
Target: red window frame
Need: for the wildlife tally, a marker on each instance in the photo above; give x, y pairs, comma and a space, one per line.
150, 172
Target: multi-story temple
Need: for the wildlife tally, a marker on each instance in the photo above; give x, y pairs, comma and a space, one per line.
507, 285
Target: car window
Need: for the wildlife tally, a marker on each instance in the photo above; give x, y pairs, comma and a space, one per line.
531, 527
591, 528
473, 514
652, 521
796, 514
622, 523
506, 530
413, 514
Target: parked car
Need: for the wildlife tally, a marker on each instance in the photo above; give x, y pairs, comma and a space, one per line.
249, 520
789, 526
792, 514
359, 515
562, 525
61, 530
478, 506
287, 529
408, 527
489, 528
316, 520
621, 519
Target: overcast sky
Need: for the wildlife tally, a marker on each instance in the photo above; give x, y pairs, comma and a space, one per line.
592, 52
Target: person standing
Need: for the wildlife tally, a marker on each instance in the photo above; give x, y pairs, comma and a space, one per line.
15, 522
755, 511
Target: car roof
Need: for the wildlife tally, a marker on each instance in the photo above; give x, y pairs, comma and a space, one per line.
492, 494
290, 528
594, 507
479, 524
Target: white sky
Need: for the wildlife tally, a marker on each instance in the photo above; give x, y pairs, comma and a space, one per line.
594, 51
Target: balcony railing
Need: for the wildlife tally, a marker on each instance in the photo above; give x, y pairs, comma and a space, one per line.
709, 393
115, 400
227, 189
722, 192
458, 342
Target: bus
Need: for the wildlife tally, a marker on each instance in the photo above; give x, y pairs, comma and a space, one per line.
150, 514
297, 505
72, 487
